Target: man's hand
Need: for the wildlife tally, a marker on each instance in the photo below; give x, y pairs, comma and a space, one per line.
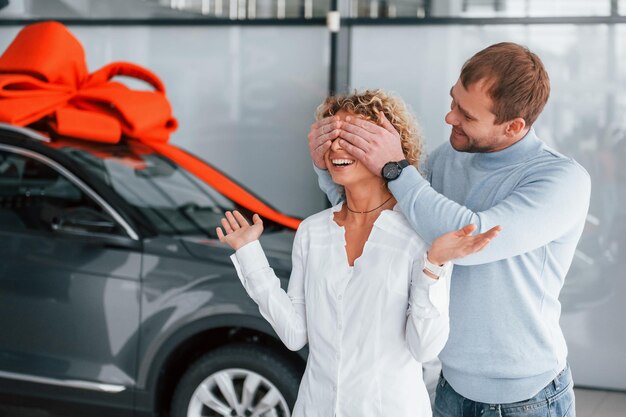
322, 133
460, 243
371, 144
238, 231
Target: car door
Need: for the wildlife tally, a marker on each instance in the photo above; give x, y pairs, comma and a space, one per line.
69, 289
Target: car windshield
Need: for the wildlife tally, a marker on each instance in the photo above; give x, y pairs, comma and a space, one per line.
172, 199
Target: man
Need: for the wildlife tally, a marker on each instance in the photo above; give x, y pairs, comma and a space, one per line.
506, 351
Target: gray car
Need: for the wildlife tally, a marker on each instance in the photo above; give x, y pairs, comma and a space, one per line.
117, 299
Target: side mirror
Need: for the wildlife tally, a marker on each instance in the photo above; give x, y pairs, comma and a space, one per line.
83, 220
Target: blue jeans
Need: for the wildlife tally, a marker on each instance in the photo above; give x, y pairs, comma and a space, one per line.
554, 400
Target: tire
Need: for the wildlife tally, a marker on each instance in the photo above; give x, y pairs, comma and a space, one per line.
214, 385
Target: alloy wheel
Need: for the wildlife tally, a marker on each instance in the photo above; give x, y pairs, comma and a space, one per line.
237, 393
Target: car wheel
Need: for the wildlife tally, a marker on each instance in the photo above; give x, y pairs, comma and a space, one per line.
237, 381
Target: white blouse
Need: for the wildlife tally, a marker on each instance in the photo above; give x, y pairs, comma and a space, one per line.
367, 326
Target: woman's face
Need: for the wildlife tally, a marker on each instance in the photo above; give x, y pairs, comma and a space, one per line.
344, 168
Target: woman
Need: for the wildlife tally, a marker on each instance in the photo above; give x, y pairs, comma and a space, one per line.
364, 293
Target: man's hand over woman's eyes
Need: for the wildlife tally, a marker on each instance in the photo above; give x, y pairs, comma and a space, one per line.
322, 133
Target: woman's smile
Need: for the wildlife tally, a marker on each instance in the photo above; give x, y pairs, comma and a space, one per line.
341, 163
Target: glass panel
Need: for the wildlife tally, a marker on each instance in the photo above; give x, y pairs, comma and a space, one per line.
33, 196
479, 8
583, 119
387, 8
172, 200
89, 9
250, 9
163, 9
523, 8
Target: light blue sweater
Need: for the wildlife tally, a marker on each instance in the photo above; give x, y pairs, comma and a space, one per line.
505, 341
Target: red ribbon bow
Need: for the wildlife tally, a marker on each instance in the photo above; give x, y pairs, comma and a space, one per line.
43, 76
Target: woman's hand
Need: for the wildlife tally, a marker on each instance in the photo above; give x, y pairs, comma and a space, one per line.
460, 243
238, 231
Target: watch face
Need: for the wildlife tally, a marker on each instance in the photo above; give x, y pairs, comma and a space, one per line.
391, 171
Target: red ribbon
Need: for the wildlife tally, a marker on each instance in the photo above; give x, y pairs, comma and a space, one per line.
44, 77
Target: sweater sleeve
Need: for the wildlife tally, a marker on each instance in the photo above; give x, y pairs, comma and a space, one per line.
428, 323
544, 207
327, 185
285, 311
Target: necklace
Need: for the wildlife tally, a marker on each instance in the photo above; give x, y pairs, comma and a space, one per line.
368, 211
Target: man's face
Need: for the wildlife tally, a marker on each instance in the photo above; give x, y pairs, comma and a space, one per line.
473, 123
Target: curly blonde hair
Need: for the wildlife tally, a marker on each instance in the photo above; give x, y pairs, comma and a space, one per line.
368, 105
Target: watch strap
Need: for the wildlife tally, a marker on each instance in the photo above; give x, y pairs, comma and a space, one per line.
397, 165
432, 268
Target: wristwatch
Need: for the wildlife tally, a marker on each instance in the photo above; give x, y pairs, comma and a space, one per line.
392, 170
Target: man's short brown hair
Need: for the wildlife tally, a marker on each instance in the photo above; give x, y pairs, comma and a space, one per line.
516, 80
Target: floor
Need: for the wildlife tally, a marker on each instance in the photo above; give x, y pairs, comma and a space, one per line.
591, 403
